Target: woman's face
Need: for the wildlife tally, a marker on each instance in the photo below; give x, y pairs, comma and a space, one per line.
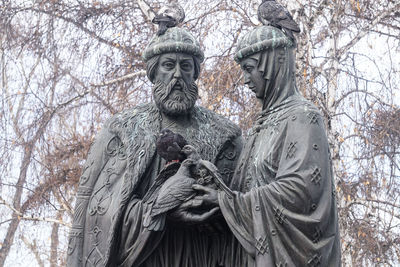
253, 77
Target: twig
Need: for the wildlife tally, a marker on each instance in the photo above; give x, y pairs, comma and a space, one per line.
146, 9
120, 79
21, 216
33, 247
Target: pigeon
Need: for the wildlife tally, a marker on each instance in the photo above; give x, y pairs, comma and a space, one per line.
191, 153
272, 13
169, 16
174, 191
203, 169
169, 146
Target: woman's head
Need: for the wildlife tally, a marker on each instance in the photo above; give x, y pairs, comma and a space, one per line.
253, 77
266, 56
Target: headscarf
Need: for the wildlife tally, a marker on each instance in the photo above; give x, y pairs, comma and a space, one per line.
274, 52
277, 66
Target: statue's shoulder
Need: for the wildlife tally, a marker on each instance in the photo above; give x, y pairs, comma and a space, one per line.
309, 110
305, 118
135, 112
219, 122
141, 114
301, 109
119, 125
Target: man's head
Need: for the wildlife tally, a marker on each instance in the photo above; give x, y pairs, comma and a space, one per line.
173, 64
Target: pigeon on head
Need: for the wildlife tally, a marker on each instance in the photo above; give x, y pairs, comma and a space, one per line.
169, 16
274, 14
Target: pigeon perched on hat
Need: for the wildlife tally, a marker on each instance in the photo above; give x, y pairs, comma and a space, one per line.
169, 16
274, 14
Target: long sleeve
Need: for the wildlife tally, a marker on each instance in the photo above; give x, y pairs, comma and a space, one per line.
238, 215
97, 159
135, 240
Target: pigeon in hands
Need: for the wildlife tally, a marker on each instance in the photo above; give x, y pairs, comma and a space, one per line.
169, 16
204, 171
272, 13
175, 191
169, 146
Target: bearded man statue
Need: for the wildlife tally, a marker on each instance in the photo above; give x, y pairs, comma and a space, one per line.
123, 165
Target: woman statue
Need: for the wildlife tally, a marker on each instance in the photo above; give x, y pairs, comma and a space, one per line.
283, 211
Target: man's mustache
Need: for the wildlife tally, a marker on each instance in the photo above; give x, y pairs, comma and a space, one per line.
171, 85
175, 82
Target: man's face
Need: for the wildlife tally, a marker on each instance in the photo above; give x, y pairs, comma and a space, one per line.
253, 77
175, 91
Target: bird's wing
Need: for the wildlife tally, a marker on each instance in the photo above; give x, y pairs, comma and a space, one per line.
162, 18
277, 15
180, 13
266, 12
286, 20
172, 152
290, 24
167, 148
162, 145
168, 171
170, 15
159, 208
279, 11
171, 196
180, 140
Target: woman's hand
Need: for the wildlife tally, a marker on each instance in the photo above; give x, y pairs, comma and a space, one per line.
209, 196
186, 212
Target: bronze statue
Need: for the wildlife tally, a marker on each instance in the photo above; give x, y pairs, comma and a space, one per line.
280, 206
283, 211
113, 197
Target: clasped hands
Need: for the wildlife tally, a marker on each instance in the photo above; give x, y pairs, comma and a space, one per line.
199, 209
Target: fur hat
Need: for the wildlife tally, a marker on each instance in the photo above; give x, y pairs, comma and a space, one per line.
259, 39
173, 40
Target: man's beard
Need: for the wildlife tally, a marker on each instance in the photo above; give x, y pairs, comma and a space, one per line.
172, 102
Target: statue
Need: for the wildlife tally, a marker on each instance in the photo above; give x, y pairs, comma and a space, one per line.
112, 199
283, 211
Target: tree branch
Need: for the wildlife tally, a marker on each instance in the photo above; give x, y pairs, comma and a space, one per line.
361, 33
21, 216
34, 249
147, 11
120, 79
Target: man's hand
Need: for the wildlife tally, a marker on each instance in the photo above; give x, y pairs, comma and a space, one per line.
185, 212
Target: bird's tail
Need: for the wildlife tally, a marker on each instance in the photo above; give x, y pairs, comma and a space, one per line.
162, 29
156, 223
290, 34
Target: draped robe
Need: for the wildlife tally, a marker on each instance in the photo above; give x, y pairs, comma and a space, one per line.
121, 166
286, 214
